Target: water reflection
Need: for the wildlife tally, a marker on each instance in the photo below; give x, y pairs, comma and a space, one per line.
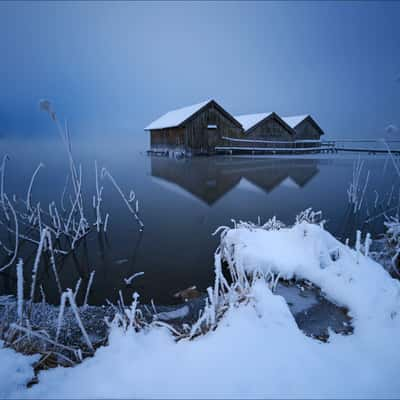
210, 179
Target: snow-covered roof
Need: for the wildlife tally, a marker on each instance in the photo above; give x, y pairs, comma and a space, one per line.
295, 120
176, 117
250, 120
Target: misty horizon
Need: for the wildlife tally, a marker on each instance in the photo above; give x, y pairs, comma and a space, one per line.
116, 67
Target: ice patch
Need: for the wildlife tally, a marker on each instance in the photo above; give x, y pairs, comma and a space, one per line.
175, 314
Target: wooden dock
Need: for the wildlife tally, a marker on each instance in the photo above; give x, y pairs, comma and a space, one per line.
273, 150
256, 146
369, 151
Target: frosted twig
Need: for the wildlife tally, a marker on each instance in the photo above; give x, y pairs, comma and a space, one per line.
363, 192
212, 309
28, 195
105, 172
42, 294
63, 193
20, 288
275, 282
129, 280
98, 198
36, 262
75, 310
88, 288
57, 221
376, 199
68, 295
39, 218
353, 190
52, 260
358, 245
121, 299
16, 233
383, 213
106, 222
63, 300
77, 286
37, 335
74, 204
2, 175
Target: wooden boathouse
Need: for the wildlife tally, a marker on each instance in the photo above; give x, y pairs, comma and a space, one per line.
305, 127
207, 128
267, 126
195, 129
269, 133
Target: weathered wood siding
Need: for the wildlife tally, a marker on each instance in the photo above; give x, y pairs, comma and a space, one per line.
306, 130
270, 129
170, 138
195, 135
200, 139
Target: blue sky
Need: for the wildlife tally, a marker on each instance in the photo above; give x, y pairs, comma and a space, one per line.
120, 65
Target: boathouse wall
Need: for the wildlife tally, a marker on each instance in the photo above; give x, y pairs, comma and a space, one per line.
270, 129
307, 130
200, 133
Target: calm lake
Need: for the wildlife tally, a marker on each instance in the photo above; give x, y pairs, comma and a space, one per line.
182, 202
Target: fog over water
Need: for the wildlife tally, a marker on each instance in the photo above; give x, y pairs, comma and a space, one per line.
119, 65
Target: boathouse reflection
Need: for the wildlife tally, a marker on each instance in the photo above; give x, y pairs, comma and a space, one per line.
209, 179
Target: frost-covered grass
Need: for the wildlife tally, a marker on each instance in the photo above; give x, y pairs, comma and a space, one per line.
392, 243
54, 230
250, 345
356, 191
66, 219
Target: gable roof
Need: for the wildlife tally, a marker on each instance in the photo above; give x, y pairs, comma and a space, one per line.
175, 118
250, 121
298, 119
295, 120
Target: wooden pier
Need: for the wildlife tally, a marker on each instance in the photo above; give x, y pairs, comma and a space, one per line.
273, 150
249, 146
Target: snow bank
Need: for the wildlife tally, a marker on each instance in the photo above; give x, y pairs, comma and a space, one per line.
307, 251
15, 370
257, 349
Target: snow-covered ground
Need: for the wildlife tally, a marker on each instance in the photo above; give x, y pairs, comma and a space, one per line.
257, 350
15, 370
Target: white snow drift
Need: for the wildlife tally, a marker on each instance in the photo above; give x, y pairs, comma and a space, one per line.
257, 350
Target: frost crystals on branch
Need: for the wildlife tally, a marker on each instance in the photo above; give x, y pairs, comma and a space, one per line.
20, 289
7, 204
356, 192
85, 302
68, 295
132, 198
392, 237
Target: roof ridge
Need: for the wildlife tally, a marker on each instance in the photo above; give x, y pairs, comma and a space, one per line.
294, 120
174, 118
250, 120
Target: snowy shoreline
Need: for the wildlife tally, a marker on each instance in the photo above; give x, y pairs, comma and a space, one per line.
250, 345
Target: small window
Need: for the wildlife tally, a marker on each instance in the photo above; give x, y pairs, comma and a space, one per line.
211, 126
